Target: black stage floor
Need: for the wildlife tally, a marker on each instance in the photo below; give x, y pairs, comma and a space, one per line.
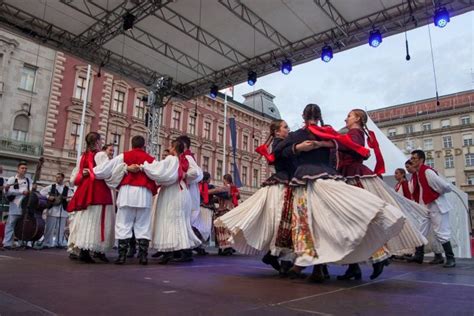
47, 283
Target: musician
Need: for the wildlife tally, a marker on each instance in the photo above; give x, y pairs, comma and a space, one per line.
16, 188
58, 195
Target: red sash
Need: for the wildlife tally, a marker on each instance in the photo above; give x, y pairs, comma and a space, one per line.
235, 194
262, 150
379, 162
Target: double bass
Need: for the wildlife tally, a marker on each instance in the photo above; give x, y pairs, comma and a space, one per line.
30, 226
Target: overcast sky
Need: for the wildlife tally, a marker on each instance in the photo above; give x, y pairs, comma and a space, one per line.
371, 78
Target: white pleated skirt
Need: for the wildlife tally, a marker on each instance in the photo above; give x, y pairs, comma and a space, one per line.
171, 225
410, 236
203, 222
254, 223
334, 222
85, 229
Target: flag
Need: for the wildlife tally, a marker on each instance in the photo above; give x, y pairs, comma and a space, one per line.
229, 91
233, 138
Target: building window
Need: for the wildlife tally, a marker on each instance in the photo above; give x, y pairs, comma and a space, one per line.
427, 144
255, 182
21, 126
192, 125
449, 162
426, 127
75, 130
408, 129
245, 143
207, 130
470, 179
220, 134
392, 132
410, 145
139, 111
116, 143
176, 119
256, 142
447, 142
469, 160
219, 170
429, 162
28, 75
119, 101
467, 140
445, 123
244, 175
80, 92
205, 163
465, 120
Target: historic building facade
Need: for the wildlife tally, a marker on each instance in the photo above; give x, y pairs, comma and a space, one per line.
26, 71
445, 132
115, 109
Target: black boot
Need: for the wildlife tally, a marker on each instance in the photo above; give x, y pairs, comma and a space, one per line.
438, 259
185, 255
326, 272
353, 271
448, 251
101, 256
167, 256
85, 256
122, 250
143, 251
133, 247
285, 266
318, 274
378, 268
419, 255
271, 260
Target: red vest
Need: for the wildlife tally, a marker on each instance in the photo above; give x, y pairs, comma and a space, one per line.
419, 179
90, 191
405, 189
138, 156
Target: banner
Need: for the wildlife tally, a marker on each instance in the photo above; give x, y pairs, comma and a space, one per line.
233, 138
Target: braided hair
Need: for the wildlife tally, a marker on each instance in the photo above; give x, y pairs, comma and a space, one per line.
313, 112
274, 127
362, 115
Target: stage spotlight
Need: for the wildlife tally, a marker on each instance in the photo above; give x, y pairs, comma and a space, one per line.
326, 53
213, 92
375, 38
252, 78
128, 21
286, 66
441, 17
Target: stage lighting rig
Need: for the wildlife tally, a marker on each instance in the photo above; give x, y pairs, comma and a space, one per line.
326, 53
441, 17
213, 91
375, 38
252, 78
286, 66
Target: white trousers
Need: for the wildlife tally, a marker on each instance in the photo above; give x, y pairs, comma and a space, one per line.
10, 229
133, 218
54, 230
440, 224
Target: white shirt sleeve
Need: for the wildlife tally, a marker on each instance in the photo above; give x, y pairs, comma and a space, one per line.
45, 191
164, 172
105, 169
437, 183
194, 173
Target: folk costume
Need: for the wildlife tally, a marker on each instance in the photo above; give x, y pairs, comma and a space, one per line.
134, 202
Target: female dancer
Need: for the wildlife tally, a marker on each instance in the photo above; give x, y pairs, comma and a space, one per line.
202, 223
331, 221
402, 187
256, 223
171, 227
93, 225
228, 196
350, 165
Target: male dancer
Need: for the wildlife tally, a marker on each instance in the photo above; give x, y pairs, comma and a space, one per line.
429, 190
134, 200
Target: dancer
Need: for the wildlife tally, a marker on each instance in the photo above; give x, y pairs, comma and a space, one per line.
134, 200
202, 224
92, 228
402, 187
228, 196
262, 223
351, 166
331, 221
171, 227
429, 190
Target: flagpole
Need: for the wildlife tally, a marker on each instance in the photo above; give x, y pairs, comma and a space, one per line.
83, 117
225, 135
